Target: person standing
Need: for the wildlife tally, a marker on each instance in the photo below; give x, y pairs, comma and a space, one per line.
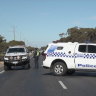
36, 58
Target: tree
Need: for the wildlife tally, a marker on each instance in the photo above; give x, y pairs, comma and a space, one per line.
2, 39
3, 44
61, 35
30, 48
14, 43
81, 35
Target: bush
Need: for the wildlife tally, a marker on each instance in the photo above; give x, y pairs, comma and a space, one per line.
1, 56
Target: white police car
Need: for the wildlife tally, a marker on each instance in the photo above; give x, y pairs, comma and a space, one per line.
16, 56
64, 58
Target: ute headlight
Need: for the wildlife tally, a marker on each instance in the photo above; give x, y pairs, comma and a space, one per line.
6, 58
24, 57
18, 57
11, 57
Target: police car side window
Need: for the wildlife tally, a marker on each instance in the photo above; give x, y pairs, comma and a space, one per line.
59, 48
82, 48
91, 49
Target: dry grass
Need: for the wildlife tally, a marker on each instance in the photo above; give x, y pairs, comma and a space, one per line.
1, 64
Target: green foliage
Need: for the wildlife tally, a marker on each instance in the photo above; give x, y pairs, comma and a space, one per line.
44, 47
3, 44
1, 39
81, 35
14, 43
3, 47
30, 48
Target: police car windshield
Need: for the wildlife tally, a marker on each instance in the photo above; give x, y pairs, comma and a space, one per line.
15, 50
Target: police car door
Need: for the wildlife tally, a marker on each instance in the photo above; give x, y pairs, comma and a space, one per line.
85, 57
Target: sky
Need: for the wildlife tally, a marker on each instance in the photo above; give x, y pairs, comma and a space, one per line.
39, 22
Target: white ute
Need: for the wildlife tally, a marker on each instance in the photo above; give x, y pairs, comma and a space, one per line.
16, 56
64, 58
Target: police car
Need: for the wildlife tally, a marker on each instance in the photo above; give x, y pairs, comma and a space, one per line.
16, 56
64, 58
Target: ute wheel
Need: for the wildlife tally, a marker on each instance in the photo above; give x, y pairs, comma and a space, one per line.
9, 68
59, 69
27, 66
6, 68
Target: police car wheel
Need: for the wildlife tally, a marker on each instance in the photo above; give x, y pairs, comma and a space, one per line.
59, 69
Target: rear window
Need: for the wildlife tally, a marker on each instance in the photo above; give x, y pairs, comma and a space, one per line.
14, 50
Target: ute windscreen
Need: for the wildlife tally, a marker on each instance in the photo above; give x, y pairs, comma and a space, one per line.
14, 50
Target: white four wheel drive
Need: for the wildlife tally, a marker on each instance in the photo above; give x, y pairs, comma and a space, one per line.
16, 56
64, 58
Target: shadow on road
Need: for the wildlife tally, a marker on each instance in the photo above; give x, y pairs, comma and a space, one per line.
87, 74
48, 74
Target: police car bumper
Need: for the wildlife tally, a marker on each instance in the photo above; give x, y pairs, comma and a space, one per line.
45, 67
46, 64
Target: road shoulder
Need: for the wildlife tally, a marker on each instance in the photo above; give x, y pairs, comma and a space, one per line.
1, 64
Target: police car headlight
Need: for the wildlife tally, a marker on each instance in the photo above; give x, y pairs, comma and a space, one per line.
6, 58
24, 57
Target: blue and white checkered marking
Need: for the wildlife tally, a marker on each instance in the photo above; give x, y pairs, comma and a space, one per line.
61, 54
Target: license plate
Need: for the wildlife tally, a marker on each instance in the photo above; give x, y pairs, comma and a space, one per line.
15, 62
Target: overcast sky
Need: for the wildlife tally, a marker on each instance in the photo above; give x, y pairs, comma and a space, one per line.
39, 22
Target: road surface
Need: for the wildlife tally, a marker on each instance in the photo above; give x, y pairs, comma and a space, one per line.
41, 82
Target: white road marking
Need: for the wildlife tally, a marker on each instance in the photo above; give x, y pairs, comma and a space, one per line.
63, 86
2, 71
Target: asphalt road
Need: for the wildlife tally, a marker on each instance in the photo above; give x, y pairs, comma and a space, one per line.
40, 82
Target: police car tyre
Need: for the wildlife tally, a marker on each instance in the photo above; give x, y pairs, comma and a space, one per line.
59, 69
70, 72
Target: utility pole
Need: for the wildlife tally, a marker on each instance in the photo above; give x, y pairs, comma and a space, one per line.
14, 32
20, 36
